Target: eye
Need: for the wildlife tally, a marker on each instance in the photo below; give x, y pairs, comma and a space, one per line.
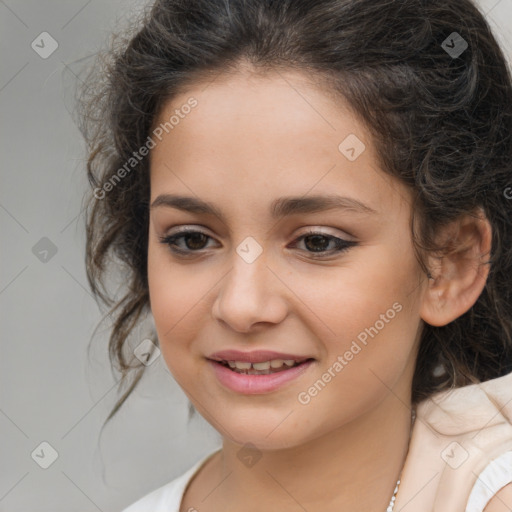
197, 241
316, 242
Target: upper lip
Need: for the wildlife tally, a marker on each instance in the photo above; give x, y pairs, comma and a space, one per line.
257, 356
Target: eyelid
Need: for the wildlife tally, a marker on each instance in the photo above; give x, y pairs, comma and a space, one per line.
189, 228
316, 230
309, 230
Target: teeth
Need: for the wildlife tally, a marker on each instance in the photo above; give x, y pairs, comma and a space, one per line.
264, 366
261, 366
242, 365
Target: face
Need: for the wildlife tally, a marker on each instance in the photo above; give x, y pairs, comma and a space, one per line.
346, 296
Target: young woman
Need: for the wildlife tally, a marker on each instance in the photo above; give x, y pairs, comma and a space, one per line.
313, 199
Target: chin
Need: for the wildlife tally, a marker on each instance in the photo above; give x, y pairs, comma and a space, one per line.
270, 433
261, 442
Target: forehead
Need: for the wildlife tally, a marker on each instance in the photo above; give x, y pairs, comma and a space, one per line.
258, 134
279, 103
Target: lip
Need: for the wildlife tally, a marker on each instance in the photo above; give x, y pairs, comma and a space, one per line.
257, 384
256, 356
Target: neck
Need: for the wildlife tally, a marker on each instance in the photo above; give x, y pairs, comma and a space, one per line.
354, 467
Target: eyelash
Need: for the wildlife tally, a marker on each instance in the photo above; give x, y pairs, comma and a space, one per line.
341, 245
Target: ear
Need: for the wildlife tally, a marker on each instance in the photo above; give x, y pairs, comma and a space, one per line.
459, 277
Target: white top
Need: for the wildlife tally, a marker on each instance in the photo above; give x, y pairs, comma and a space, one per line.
168, 498
496, 475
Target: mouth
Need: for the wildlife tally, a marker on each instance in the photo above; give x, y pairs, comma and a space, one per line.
263, 368
263, 377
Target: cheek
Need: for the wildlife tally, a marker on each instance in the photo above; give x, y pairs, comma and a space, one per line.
374, 320
355, 299
169, 303
179, 295
172, 289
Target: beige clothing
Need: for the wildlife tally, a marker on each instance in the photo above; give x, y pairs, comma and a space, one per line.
460, 454
456, 435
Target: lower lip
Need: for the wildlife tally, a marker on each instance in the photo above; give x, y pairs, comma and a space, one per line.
256, 384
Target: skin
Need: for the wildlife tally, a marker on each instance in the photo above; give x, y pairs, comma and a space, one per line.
502, 501
250, 140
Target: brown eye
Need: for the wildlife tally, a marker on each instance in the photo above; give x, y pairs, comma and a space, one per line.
194, 241
318, 243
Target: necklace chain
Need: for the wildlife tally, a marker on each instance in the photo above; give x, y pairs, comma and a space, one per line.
391, 505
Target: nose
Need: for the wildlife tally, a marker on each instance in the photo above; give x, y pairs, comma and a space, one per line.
251, 293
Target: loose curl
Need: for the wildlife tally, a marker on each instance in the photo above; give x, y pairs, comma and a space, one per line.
440, 125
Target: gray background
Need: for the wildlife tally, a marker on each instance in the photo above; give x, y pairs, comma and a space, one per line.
51, 389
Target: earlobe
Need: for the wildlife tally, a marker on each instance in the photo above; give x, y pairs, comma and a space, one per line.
459, 277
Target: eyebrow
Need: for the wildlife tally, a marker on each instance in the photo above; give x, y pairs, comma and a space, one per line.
281, 207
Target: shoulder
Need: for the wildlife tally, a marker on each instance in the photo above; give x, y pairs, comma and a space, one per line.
461, 450
493, 487
159, 499
472, 408
502, 500
167, 498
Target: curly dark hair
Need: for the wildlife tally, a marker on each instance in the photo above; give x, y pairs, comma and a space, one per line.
441, 123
